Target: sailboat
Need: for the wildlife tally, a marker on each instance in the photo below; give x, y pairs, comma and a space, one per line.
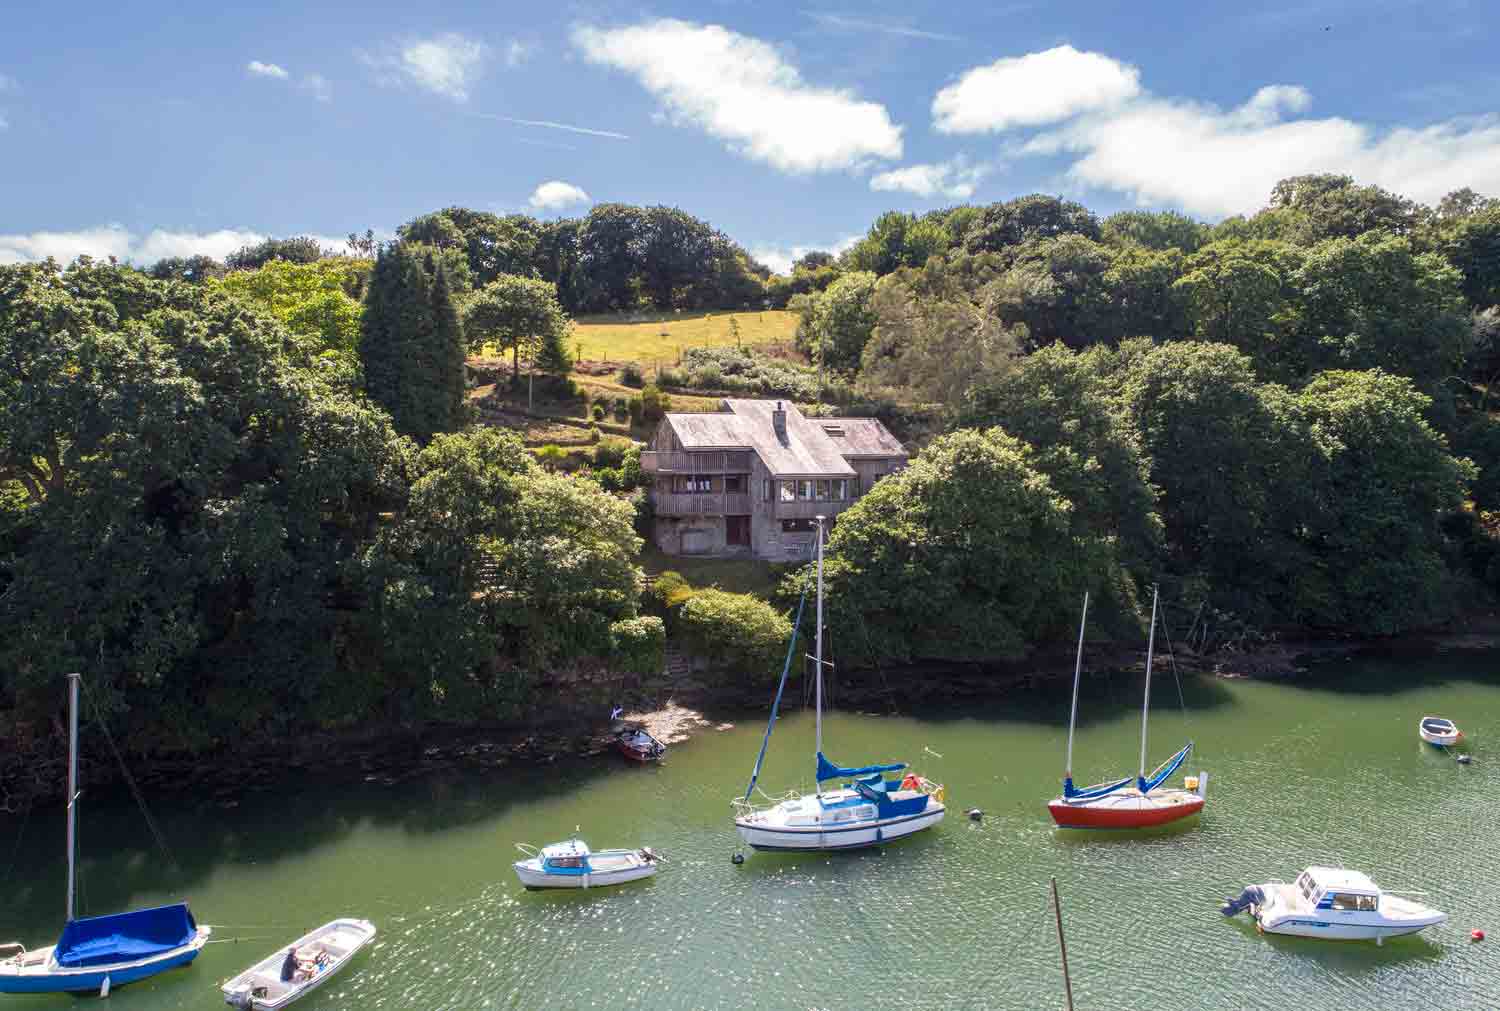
99, 952
867, 810
1138, 801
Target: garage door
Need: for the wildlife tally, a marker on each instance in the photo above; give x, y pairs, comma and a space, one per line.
694, 542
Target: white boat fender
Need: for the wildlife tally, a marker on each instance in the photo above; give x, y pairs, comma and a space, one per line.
975, 814
104, 987
1251, 896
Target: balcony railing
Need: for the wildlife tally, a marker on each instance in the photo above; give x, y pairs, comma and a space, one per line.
680, 504
711, 462
804, 510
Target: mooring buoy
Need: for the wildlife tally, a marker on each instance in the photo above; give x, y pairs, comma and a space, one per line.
737, 859
974, 814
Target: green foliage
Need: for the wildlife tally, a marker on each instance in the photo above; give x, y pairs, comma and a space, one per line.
516, 314
631, 375
735, 631
317, 301
1155, 230
490, 245
749, 373
301, 249
411, 344
552, 356
638, 645
637, 410
837, 323
193, 269
1038, 216
896, 240
654, 403
597, 412
967, 553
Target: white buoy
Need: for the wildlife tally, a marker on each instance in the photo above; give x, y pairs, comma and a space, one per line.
104, 987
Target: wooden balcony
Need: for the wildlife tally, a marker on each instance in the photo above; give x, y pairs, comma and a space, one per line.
687, 504
711, 462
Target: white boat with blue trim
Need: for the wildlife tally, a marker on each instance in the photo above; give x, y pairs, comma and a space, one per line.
1439, 731
1333, 904
572, 864
866, 810
97, 953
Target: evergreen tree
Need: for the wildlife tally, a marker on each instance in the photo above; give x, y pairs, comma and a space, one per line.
553, 357
411, 344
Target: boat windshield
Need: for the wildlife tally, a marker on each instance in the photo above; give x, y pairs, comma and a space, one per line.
565, 861
1355, 903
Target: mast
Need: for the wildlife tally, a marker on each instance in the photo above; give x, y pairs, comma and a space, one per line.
1146, 705
1077, 671
818, 639
72, 783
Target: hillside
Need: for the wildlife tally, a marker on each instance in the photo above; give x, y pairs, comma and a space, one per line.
656, 337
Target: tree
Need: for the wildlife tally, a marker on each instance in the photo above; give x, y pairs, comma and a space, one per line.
1038, 216
515, 314
813, 259
896, 240
196, 494
968, 553
320, 302
491, 245
1332, 206
837, 323
552, 356
411, 343
1055, 290
301, 249
736, 631
1472, 244
1158, 230
610, 250
194, 269
1240, 292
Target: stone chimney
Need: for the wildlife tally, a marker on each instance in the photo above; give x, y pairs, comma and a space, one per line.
778, 421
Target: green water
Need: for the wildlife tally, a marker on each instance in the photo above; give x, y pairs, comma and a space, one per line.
1329, 771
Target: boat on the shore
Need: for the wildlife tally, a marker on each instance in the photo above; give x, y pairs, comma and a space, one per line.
572, 864
866, 810
98, 953
316, 956
634, 742
1131, 802
1333, 904
1439, 732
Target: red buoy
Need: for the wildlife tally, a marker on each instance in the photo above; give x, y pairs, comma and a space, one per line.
1476, 935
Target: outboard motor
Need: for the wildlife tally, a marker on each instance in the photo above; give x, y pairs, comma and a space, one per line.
1251, 896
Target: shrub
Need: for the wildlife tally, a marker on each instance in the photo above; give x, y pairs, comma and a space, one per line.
671, 377
593, 433
630, 375
671, 589
744, 370
654, 403
551, 455
622, 409
638, 645
708, 377
597, 412
637, 410
735, 631
609, 454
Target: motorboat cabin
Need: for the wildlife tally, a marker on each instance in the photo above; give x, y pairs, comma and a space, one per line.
572, 864
1333, 903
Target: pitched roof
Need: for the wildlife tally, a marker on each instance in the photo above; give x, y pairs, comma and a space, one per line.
809, 450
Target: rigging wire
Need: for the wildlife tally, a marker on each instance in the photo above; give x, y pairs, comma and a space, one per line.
135, 789
15, 853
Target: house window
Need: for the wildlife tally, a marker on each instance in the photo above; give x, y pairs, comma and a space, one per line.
694, 484
804, 491
840, 490
767, 490
854, 487
822, 491
789, 491
734, 484
737, 531
796, 526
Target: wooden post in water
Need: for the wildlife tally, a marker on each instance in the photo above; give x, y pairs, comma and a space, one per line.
1057, 911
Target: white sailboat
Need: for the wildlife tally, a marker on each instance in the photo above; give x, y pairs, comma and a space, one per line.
867, 810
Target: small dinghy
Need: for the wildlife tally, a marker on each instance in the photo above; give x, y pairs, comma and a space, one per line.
309, 962
572, 864
1437, 731
632, 741
1333, 904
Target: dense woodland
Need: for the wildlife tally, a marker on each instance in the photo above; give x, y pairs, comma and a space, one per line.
249, 498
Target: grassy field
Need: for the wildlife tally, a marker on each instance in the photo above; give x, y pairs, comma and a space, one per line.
651, 338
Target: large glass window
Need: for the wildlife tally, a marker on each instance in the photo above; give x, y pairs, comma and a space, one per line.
804, 491
734, 484
694, 484
789, 491
822, 490
767, 492
840, 490
796, 526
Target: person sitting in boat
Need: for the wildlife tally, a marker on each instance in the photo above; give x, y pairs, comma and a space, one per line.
290, 967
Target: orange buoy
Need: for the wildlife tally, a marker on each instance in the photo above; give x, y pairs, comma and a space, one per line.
1476, 935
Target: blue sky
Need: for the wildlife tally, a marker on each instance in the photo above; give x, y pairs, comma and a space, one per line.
147, 128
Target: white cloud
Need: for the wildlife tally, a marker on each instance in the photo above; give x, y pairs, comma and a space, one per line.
117, 241
1214, 162
517, 53
955, 179
317, 85
260, 69
780, 258
741, 90
554, 194
1044, 87
447, 65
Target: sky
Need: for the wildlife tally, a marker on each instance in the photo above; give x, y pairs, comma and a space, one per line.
148, 129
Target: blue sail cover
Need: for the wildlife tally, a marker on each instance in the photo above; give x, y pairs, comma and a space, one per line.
124, 937
827, 770
1164, 770
1072, 792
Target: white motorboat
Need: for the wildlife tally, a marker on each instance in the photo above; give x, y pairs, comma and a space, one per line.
1333, 904
315, 956
866, 810
572, 864
1439, 731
